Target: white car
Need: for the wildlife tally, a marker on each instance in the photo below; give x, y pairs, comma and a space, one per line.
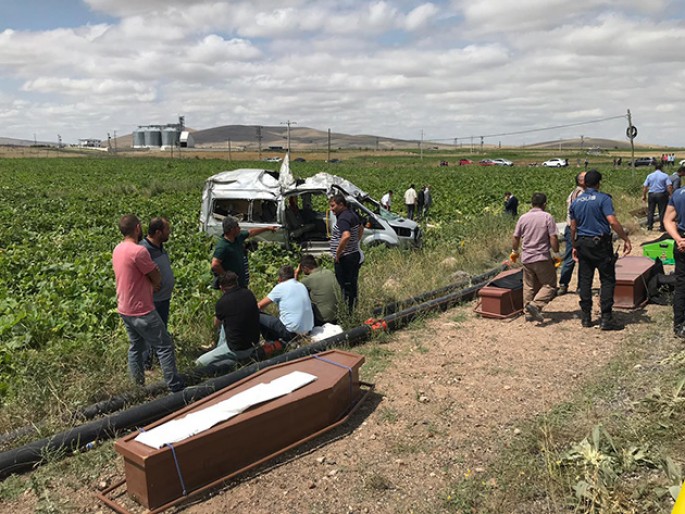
272, 159
682, 163
555, 163
502, 162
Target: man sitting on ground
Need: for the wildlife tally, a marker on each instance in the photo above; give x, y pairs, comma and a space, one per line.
294, 306
238, 313
323, 290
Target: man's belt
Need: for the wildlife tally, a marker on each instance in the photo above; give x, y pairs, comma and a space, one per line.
597, 238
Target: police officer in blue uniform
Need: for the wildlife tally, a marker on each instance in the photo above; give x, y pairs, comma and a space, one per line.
674, 222
592, 218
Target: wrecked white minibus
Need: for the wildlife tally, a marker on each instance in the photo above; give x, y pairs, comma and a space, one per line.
259, 198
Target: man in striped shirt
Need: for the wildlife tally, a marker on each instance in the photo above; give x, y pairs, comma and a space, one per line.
345, 238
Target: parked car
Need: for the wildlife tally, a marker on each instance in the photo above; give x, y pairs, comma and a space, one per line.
502, 162
487, 162
464, 162
272, 159
555, 163
299, 159
444, 163
262, 198
645, 161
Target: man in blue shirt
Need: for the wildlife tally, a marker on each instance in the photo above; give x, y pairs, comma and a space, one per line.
592, 218
295, 315
658, 186
675, 226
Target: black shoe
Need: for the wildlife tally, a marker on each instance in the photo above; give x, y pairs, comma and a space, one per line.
534, 312
610, 324
586, 321
679, 331
563, 289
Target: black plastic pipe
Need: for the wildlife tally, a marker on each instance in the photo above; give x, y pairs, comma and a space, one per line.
30, 455
394, 307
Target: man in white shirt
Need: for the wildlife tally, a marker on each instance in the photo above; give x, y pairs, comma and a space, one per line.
386, 201
410, 198
294, 308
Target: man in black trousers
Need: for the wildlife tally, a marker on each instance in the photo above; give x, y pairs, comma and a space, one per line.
592, 218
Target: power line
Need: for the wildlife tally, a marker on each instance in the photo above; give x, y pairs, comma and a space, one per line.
529, 131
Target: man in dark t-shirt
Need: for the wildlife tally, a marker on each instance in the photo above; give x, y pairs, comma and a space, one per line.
229, 253
238, 314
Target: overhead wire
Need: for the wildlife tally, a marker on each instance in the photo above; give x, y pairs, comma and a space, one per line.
529, 131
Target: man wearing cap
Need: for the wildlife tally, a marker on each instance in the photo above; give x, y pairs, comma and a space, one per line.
592, 218
675, 226
655, 191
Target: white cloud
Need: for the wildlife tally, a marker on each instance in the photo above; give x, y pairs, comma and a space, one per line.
420, 17
389, 67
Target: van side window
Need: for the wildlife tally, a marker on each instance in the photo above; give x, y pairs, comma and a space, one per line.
238, 208
263, 211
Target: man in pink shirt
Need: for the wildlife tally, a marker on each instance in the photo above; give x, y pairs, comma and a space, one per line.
136, 278
539, 233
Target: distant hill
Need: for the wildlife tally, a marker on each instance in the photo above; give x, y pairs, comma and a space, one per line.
244, 137
10, 141
588, 143
303, 138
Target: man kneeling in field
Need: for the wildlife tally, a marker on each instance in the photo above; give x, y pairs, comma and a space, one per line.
237, 312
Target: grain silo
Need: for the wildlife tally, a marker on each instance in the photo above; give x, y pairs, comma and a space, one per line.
169, 137
138, 138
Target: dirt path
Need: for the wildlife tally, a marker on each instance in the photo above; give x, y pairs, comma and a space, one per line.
455, 389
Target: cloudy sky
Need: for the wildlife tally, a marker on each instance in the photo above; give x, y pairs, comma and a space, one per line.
394, 68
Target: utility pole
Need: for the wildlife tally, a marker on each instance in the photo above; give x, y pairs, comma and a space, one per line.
421, 145
471, 144
288, 123
115, 141
229, 150
377, 139
481, 144
328, 159
582, 142
632, 144
259, 141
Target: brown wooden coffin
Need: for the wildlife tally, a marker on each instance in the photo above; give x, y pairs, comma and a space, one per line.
152, 478
501, 302
632, 275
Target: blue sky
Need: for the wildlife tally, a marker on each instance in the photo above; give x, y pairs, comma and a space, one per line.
47, 14
452, 69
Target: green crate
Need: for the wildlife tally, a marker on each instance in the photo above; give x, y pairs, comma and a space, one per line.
661, 249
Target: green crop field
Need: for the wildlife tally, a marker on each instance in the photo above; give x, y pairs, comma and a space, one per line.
61, 342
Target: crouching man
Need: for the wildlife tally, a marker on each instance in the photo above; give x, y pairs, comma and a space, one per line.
238, 314
294, 308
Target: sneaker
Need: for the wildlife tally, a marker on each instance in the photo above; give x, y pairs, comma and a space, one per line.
528, 317
610, 324
563, 289
534, 312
